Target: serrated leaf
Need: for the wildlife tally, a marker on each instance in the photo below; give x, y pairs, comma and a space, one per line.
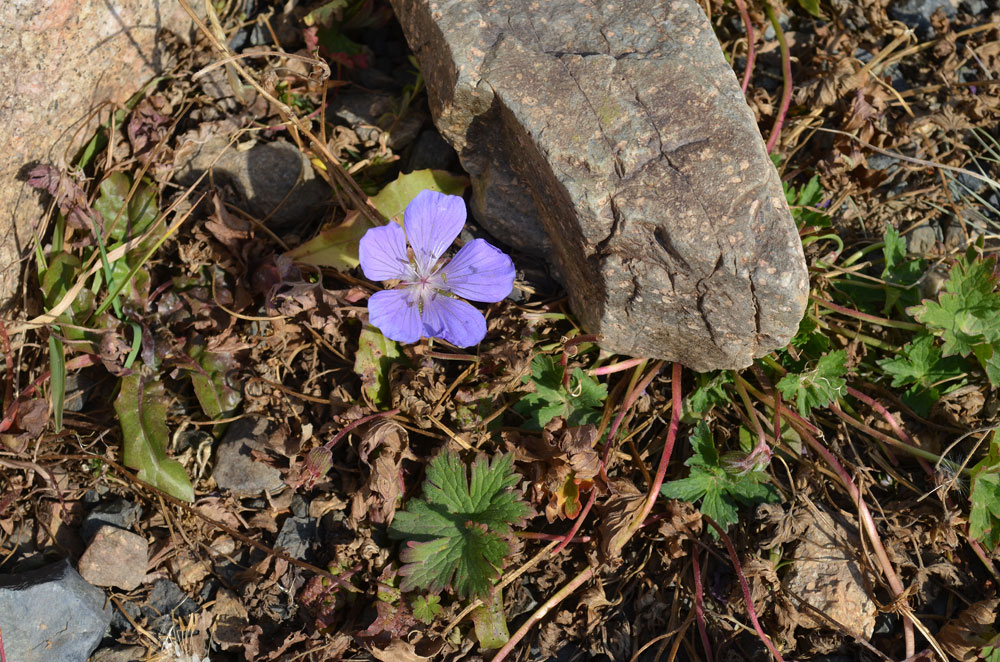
426, 609
391, 201
920, 362
458, 534
720, 493
817, 387
711, 391
581, 404
984, 518
372, 363
142, 411
967, 312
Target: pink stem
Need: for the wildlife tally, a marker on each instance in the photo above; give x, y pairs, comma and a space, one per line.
786, 74
614, 367
745, 586
668, 447
3, 657
751, 51
699, 605
905, 438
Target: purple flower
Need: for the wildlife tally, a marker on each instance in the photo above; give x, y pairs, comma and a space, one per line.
425, 303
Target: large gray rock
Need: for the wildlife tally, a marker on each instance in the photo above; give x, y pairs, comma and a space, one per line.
51, 614
613, 138
59, 60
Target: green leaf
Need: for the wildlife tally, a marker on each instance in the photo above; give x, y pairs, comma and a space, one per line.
459, 533
391, 201
57, 370
811, 6
711, 391
984, 518
142, 412
335, 247
581, 404
490, 622
426, 609
809, 195
216, 397
721, 493
376, 355
967, 312
123, 219
920, 362
817, 387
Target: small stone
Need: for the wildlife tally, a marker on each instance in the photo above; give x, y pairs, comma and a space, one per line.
371, 113
167, 599
825, 573
119, 622
270, 180
115, 557
120, 513
922, 238
51, 614
236, 469
119, 653
299, 506
296, 537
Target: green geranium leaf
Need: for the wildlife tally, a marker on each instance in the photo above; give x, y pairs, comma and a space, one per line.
459, 533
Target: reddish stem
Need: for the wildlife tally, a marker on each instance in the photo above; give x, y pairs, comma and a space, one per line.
3, 657
786, 75
668, 447
905, 438
699, 604
614, 367
743, 585
751, 51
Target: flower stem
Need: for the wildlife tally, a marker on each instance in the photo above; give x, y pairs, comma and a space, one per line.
744, 586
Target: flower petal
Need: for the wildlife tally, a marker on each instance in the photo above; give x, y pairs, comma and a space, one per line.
396, 314
382, 253
453, 320
432, 221
480, 271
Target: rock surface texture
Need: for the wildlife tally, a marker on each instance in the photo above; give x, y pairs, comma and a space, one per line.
613, 138
60, 59
51, 614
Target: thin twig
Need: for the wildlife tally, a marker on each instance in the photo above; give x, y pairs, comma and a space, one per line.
541, 612
668, 447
